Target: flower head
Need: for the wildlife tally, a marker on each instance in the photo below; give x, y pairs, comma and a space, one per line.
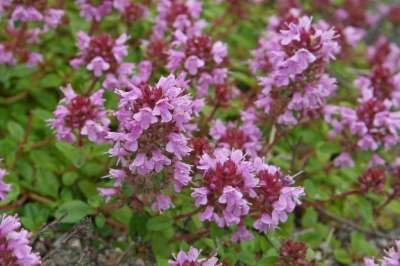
293, 253
78, 115
298, 54
4, 188
200, 58
94, 12
14, 243
103, 56
19, 37
246, 137
152, 137
233, 187
192, 258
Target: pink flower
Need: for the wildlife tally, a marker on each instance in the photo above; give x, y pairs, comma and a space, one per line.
53, 17
177, 14
287, 58
94, 12
102, 55
273, 190
242, 234
80, 115
193, 63
369, 262
24, 13
98, 66
15, 248
192, 258
4, 188
198, 56
228, 181
343, 160
219, 51
19, 39
391, 258
373, 125
246, 137
152, 136
162, 203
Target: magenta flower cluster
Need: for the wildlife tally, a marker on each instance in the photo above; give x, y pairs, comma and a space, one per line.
129, 11
181, 15
200, 58
79, 115
233, 188
103, 57
246, 136
374, 123
391, 258
4, 187
154, 127
20, 15
192, 258
298, 54
14, 243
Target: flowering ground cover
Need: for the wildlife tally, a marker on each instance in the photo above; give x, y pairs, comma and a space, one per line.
188, 132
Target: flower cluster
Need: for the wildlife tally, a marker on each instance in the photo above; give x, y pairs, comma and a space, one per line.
182, 15
293, 253
246, 137
192, 258
200, 58
276, 197
297, 86
371, 126
94, 12
372, 179
349, 20
14, 243
130, 12
233, 188
4, 188
103, 56
173, 15
383, 80
153, 131
78, 116
392, 257
20, 35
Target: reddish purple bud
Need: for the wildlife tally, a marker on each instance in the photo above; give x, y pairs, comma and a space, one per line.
372, 180
293, 253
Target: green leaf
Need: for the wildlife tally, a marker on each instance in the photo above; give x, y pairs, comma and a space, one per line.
360, 245
342, 256
160, 245
100, 220
123, 214
69, 178
47, 183
159, 223
73, 211
16, 131
34, 216
88, 188
137, 225
309, 218
73, 154
50, 81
